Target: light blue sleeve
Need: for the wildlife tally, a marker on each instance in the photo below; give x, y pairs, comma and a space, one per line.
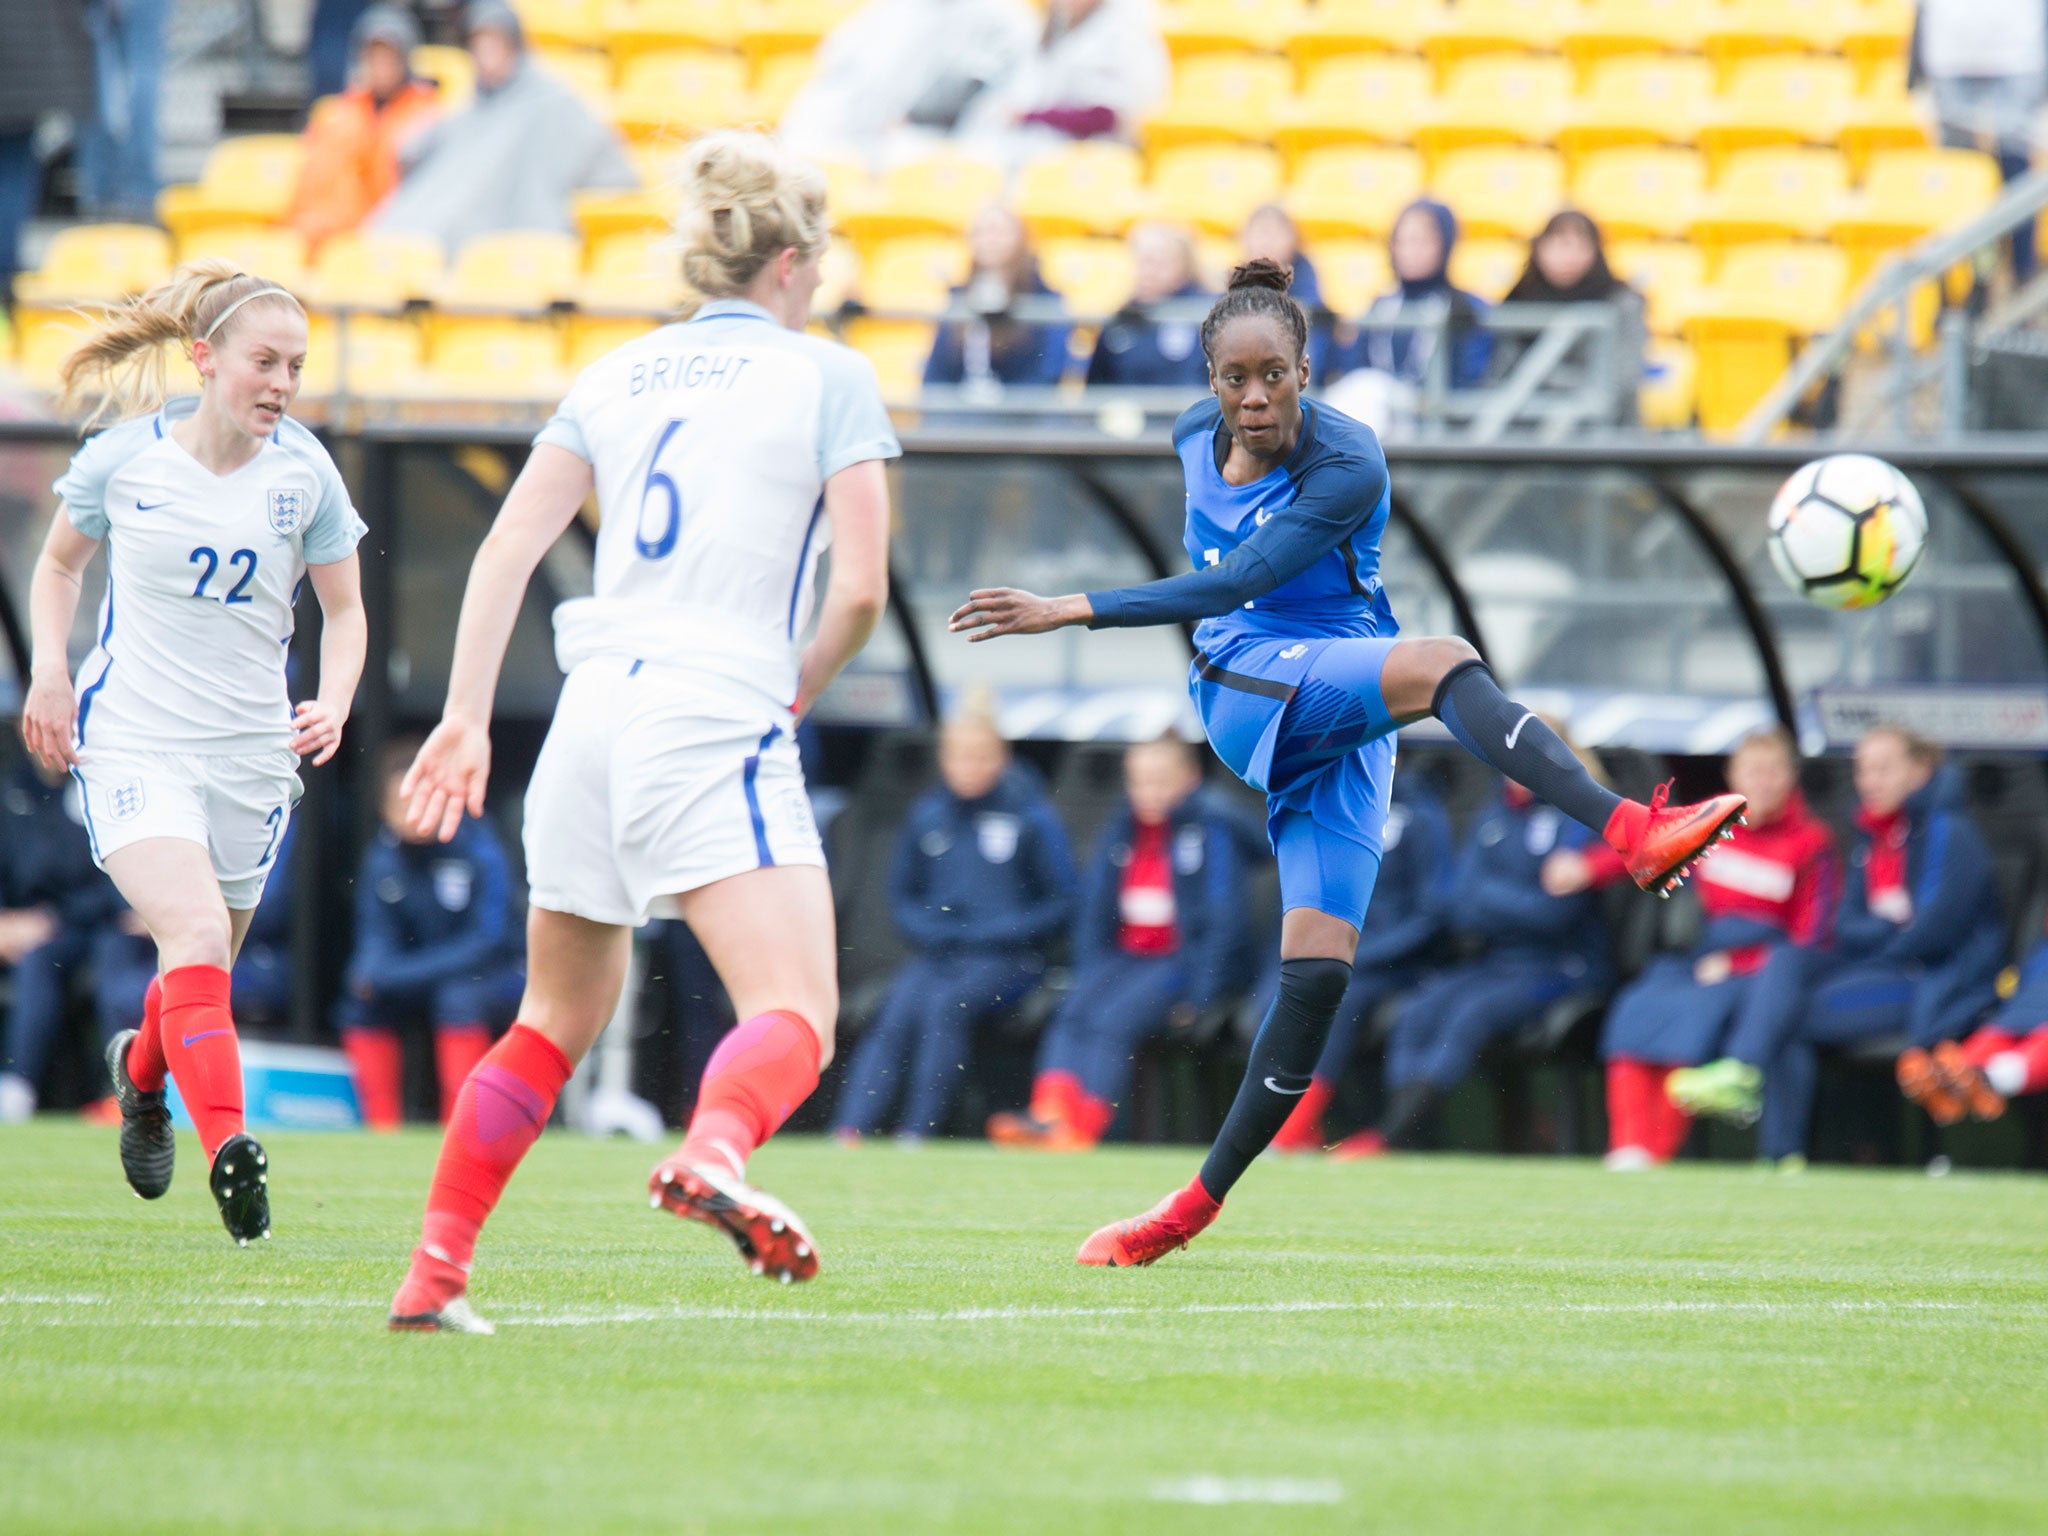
564, 429
83, 487
334, 529
853, 424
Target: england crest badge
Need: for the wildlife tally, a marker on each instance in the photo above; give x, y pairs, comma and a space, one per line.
288, 509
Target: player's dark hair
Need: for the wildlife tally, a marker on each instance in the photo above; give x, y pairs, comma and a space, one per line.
1259, 287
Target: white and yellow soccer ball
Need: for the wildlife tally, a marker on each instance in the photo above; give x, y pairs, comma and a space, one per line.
1846, 531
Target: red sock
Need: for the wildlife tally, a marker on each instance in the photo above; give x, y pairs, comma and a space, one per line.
1053, 1097
760, 1073
457, 1050
498, 1114
1303, 1130
146, 1068
198, 1035
1982, 1045
377, 1060
1090, 1118
1627, 1104
1669, 1125
2035, 1049
1626, 825
1194, 1205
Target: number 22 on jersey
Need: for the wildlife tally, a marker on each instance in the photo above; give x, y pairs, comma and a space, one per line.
245, 559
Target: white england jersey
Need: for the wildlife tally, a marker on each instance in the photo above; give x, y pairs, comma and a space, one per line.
201, 573
711, 442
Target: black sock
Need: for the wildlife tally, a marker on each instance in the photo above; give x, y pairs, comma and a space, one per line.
1283, 1061
1405, 1112
1497, 730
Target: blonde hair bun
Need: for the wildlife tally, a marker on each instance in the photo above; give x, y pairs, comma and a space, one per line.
746, 199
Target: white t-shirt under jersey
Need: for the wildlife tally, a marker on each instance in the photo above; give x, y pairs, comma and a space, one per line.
711, 442
201, 573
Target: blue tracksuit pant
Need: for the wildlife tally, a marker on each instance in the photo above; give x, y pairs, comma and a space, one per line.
491, 998
1442, 1027
121, 968
1118, 1003
1666, 1017
924, 1036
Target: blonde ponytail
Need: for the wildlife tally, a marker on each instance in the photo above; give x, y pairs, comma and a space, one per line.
120, 368
745, 200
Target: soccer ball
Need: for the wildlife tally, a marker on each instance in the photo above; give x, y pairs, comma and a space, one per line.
1846, 531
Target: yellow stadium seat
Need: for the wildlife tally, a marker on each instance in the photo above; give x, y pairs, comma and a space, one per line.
374, 269
527, 270
1606, 28
496, 359
451, 69
913, 273
1501, 191
262, 250
1780, 99
373, 352
603, 213
938, 195
1093, 276
1221, 98
634, 27
1743, 29
1875, 35
1670, 275
658, 162
1334, 27
1216, 256
840, 278
1370, 98
633, 271
777, 79
246, 180
561, 23
1767, 296
1877, 122
44, 338
97, 261
1498, 98
1668, 395
1640, 99
589, 336
1352, 273
1092, 188
788, 29
1488, 267
1771, 194
1499, 26
678, 92
584, 70
898, 349
1909, 194
1212, 187
849, 189
1217, 26
1350, 190
1641, 190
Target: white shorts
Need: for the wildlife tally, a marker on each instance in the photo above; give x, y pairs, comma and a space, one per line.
653, 783
236, 808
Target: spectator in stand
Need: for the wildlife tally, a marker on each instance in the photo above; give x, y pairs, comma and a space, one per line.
46, 70
117, 174
1400, 937
1383, 364
1160, 937
263, 966
58, 915
1768, 896
993, 347
2004, 1059
1568, 265
1270, 232
1137, 349
435, 942
1535, 948
897, 77
982, 882
353, 139
1098, 66
512, 158
1985, 63
1919, 941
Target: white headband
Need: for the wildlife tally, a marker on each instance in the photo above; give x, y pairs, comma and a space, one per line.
222, 318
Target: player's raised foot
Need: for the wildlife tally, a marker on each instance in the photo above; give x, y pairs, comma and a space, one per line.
1727, 1089
455, 1316
1927, 1085
771, 1239
241, 1187
1170, 1224
1359, 1146
149, 1150
1660, 842
1966, 1079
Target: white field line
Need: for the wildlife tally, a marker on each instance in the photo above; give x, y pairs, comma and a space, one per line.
1209, 1489
90, 1310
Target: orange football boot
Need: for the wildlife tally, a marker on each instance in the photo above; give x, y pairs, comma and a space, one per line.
1922, 1081
772, 1240
1966, 1081
1659, 842
1359, 1146
1170, 1224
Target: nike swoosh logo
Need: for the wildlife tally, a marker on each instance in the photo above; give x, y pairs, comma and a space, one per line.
1517, 731
205, 1034
151, 506
1290, 1092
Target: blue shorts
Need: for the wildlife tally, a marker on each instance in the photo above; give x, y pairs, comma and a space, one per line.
1312, 730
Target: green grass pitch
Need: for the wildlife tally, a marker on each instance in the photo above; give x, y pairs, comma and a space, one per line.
1424, 1344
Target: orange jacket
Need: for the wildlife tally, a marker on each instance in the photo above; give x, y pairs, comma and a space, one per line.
352, 156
